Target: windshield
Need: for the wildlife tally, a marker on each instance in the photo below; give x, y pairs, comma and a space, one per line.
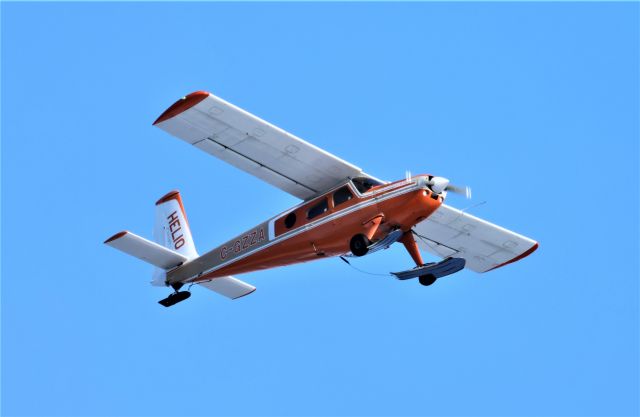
364, 184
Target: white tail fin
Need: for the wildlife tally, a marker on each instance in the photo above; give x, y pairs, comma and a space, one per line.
173, 247
171, 230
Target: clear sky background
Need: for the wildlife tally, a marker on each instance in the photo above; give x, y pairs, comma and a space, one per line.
533, 105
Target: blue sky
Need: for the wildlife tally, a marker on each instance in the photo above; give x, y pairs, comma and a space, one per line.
534, 105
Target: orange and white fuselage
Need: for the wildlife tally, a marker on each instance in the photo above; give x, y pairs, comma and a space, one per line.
374, 213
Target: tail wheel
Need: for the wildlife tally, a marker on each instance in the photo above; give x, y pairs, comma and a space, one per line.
427, 280
359, 245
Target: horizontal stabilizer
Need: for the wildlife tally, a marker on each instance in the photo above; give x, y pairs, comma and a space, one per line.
229, 286
146, 250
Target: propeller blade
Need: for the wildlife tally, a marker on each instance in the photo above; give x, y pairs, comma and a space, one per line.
440, 184
465, 191
407, 175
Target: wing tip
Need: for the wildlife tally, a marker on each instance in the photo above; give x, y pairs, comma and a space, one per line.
171, 195
517, 258
244, 295
116, 236
183, 104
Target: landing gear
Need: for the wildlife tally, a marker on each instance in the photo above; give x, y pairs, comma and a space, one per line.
428, 274
359, 245
176, 297
427, 280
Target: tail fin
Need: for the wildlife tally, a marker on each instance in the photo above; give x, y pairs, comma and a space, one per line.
171, 230
173, 247
173, 241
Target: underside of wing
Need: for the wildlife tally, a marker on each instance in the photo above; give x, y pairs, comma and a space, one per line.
450, 232
255, 146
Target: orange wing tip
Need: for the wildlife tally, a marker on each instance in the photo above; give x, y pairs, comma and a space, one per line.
171, 195
517, 258
116, 236
184, 104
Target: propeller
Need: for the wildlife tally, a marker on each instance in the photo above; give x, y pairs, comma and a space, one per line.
465, 191
440, 184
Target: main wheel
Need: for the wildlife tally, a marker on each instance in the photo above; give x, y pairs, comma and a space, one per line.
427, 280
359, 245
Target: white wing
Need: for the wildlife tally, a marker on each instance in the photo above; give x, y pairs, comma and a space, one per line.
484, 245
255, 146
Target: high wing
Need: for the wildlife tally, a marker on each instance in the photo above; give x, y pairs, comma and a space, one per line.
255, 146
484, 245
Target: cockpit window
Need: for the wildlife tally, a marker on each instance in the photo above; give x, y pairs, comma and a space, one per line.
318, 209
342, 196
364, 184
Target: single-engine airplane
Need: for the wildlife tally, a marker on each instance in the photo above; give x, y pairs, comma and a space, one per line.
344, 211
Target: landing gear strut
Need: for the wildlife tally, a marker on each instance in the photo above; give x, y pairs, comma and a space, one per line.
175, 297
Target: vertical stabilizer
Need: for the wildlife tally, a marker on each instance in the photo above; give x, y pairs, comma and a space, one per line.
171, 230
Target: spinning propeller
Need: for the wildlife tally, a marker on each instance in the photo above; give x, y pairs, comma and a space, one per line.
441, 184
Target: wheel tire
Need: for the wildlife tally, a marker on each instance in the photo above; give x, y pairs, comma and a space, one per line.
359, 245
427, 280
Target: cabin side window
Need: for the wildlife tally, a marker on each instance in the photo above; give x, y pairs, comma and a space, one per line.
318, 209
341, 196
290, 220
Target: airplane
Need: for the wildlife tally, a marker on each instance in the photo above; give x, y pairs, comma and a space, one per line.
344, 211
